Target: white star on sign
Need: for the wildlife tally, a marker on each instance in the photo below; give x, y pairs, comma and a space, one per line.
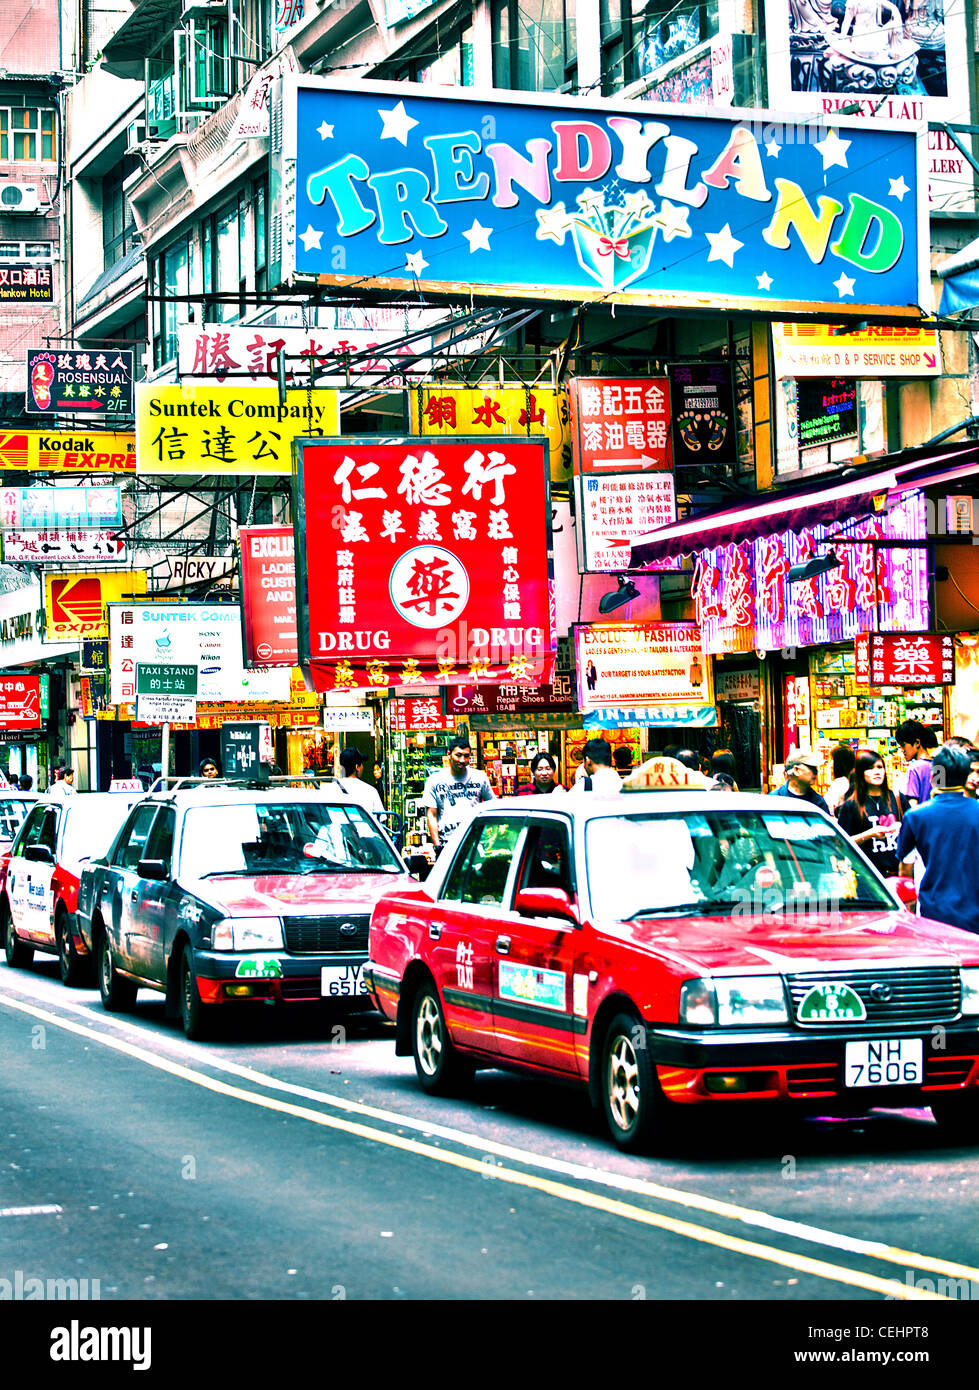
833, 150
416, 262
553, 222
844, 284
673, 220
478, 237
325, 131
898, 188
397, 124
310, 238
764, 281
723, 246
772, 149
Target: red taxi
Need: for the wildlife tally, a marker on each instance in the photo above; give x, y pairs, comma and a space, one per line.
681, 948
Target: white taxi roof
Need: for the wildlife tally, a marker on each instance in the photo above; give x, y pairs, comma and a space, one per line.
590, 804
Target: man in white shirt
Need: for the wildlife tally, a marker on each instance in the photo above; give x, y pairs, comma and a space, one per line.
600, 776
65, 785
353, 765
452, 794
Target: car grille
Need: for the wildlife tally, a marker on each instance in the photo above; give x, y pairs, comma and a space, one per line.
918, 993
310, 936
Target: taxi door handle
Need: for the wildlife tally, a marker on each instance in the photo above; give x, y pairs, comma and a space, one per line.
134, 895
503, 945
434, 931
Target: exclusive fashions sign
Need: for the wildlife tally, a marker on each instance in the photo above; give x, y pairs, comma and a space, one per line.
427, 561
385, 184
656, 671
268, 593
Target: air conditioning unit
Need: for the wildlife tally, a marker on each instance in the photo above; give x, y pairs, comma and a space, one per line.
19, 197
135, 136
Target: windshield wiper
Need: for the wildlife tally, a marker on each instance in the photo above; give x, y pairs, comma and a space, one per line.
681, 909
231, 873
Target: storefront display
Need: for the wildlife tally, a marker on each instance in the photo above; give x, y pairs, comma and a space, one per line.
412, 757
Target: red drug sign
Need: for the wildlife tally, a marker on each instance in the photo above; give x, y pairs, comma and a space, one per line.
427, 560
268, 596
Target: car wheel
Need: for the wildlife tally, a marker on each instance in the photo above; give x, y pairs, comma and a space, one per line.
196, 1017
441, 1070
17, 953
75, 969
957, 1118
631, 1096
118, 993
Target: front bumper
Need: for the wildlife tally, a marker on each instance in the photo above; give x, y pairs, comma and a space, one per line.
790, 1064
222, 976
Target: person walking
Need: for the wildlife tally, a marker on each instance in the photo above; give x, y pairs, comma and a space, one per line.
598, 772
452, 793
352, 762
916, 743
801, 771
844, 761
65, 784
543, 776
944, 830
871, 814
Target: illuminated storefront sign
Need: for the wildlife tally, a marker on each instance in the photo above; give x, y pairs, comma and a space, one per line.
744, 600
905, 658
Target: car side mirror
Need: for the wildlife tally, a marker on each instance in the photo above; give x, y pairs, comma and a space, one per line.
155, 869
545, 902
38, 854
419, 866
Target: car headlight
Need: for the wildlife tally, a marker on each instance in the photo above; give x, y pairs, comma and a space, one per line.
969, 976
247, 934
731, 1002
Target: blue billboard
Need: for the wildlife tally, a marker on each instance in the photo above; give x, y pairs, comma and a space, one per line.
392, 183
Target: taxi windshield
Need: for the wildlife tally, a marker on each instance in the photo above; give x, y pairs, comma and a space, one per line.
722, 861
282, 838
12, 813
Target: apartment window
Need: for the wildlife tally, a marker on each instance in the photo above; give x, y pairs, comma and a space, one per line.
261, 238
118, 226
27, 134
639, 38
171, 278
535, 45
33, 251
225, 241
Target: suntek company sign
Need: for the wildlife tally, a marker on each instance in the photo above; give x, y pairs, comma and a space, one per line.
61, 452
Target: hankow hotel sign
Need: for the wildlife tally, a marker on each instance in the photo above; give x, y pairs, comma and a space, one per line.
387, 184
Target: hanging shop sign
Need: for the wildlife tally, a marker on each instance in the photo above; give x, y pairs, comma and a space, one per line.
737, 685
437, 564
24, 283
80, 382
703, 418
340, 357
39, 451
75, 604
85, 546
615, 510
620, 425
655, 671
268, 596
226, 429
22, 628
359, 720
586, 598
392, 184
44, 508
891, 63
538, 411
827, 410
904, 658
826, 349
20, 702
204, 634
744, 601
423, 713
187, 570
517, 700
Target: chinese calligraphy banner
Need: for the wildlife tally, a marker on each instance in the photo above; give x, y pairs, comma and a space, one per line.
268, 595
744, 601
904, 658
817, 349
43, 508
226, 429
515, 410
620, 425
85, 383
20, 702
656, 668
86, 546
427, 560
398, 185
22, 283
75, 604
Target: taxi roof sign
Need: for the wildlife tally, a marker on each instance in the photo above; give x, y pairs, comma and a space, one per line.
664, 775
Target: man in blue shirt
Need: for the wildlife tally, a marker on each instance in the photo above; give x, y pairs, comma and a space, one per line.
945, 832
801, 771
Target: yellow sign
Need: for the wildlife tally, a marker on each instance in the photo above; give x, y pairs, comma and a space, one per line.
530, 411
824, 349
74, 604
64, 451
227, 429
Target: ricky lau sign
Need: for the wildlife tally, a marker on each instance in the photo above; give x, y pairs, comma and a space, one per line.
430, 564
390, 184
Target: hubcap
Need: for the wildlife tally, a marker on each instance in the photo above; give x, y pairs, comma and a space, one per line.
623, 1083
105, 960
429, 1036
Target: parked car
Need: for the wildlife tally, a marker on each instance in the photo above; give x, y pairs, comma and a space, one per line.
670, 950
221, 895
40, 871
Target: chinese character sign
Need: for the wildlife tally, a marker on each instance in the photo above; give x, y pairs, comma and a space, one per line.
418, 714
905, 658
20, 702
424, 553
516, 410
82, 382
641, 665
620, 425
268, 594
615, 510
702, 406
342, 356
44, 508
26, 284
399, 184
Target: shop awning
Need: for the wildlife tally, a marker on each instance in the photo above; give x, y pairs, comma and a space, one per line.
960, 274
819, 504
